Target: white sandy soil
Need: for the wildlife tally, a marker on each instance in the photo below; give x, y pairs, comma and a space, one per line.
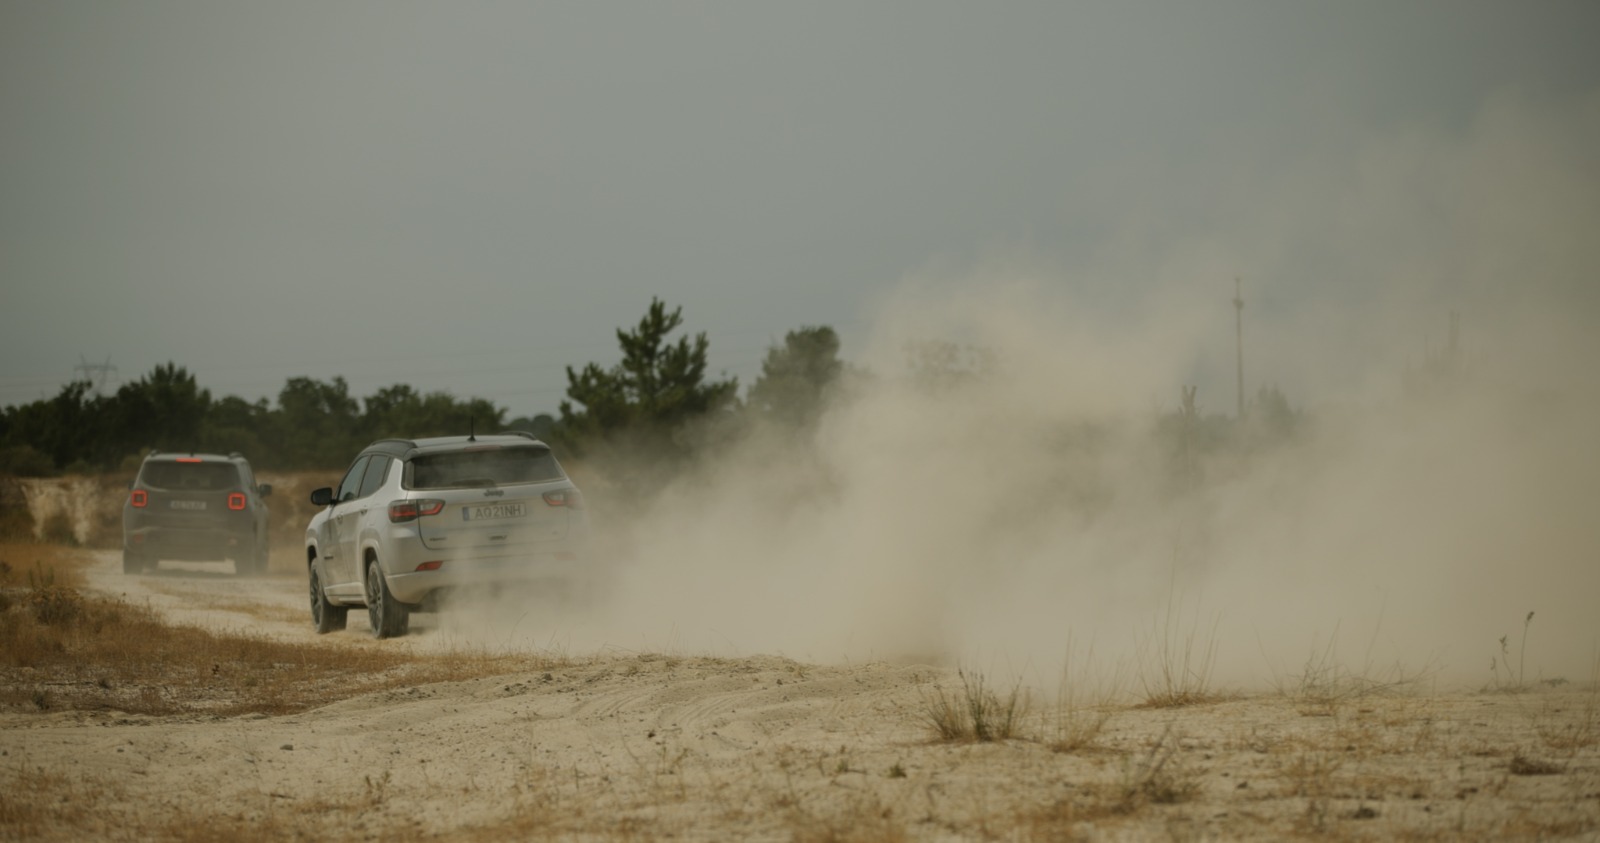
646, 745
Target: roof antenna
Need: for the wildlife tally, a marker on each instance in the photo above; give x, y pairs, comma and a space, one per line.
472, 428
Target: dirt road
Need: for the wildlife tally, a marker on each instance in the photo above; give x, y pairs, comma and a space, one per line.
620, 745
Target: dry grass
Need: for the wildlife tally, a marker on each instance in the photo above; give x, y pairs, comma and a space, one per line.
1515, 667
38, 805
976, 712
1084, 704
1571, 734
61, 649
1163, 775
249, 609
1175, 662
1522, 765
1324, 685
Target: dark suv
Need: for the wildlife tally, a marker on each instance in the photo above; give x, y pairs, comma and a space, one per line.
195, 507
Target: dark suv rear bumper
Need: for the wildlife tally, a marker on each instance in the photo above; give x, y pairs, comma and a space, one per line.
190, 544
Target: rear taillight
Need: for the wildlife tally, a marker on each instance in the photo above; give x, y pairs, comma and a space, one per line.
139, 498
568, 498
403, 511
236, 501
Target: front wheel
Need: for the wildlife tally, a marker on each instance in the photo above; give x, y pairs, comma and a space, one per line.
389, 618
327, 617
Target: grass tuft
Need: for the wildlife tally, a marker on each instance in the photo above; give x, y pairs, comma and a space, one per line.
976, 713
1161, 776
1324, 684
1083, 705
1514, 672
1175, 664
1522, 765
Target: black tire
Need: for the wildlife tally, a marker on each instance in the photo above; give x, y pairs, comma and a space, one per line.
133, 563
253, 562
389, 617
326, 616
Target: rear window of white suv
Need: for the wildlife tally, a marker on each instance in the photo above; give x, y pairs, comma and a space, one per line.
493, 466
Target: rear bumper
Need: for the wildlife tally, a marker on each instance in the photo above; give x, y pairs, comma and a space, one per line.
188, 544
554, 568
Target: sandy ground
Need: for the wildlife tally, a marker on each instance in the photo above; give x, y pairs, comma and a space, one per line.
680, 746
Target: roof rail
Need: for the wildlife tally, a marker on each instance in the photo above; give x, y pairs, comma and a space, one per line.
235, 455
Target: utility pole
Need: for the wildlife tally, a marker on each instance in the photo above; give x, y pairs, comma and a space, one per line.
1238, 329
95, 373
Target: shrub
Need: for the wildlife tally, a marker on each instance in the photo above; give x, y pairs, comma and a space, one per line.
976, 713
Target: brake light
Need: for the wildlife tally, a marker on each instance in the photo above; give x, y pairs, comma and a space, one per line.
188, 459
430, 566
568, 498
236, 501
403, 511
139, 498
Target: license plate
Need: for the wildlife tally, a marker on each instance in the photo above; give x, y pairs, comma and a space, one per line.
490, 511
187, 504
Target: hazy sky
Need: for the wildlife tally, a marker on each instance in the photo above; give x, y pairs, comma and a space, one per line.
470, 196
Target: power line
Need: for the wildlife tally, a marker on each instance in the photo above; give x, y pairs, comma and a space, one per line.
1238, 327
97, 374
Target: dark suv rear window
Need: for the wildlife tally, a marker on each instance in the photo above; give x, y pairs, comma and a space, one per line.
499, 467
204, 476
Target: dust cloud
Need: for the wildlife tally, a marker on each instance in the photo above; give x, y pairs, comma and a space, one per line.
1044, 494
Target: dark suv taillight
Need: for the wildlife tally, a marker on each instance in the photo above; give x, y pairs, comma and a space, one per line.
568, 498
236, 501
139, 498
403, 511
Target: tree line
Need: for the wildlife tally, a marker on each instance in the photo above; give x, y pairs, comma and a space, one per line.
658, 401
653, 411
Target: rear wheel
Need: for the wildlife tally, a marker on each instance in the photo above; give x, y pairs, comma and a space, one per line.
259, 564
389, 618
133, 563
327, 617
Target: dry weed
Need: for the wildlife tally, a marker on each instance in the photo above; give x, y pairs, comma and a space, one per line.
1162, 776
1310, 775
63, 565
33, 801
1083, 705
1178, 671
1514, 678
1581, 733
1324, 684
1522, 765
976, 713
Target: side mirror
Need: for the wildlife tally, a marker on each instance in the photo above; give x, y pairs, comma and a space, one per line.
265, 489
322, 496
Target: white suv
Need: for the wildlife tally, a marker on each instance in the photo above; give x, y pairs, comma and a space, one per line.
416, 518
